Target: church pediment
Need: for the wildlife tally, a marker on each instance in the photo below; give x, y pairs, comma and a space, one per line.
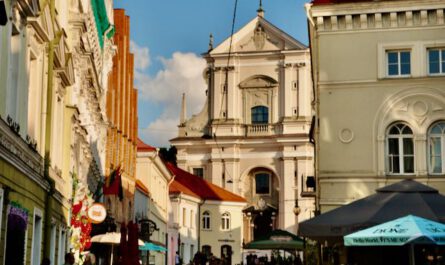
259, 35
259, 81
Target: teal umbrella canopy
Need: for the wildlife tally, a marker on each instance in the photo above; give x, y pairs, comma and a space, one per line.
405, 230
148, 246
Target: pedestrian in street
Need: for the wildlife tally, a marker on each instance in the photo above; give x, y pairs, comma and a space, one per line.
90, 259
177, 259
69, 259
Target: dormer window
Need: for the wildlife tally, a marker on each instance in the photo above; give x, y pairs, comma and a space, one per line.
260, 115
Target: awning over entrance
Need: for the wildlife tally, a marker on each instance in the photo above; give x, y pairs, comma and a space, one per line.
277, 239
400, 199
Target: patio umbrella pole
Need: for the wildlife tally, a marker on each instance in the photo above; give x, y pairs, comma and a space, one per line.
412, 255
112, 254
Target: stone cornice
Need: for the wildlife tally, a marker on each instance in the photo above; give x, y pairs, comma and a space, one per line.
378, 15
15, 151
373, 6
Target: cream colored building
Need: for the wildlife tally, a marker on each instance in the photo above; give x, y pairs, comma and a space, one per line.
204, 217
252, 136
52, 78
153, 174
378, 70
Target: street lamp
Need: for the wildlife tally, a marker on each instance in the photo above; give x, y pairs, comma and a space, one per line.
147, 228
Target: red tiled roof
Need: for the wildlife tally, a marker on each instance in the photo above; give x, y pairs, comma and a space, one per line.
142, 187
144, 147
200, 187
176, 187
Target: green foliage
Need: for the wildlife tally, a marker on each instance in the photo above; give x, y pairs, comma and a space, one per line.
168, 155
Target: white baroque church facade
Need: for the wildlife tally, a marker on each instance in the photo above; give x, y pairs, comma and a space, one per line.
252, 136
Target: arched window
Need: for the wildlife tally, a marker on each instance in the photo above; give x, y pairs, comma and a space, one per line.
206, 220
400, 148
436, 142
225, 221
262, 183
260, 115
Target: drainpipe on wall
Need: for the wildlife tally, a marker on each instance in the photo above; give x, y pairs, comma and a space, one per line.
48, 128
199, 224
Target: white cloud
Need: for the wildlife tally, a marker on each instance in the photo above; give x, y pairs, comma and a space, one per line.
160, 131
141, 56
183, 73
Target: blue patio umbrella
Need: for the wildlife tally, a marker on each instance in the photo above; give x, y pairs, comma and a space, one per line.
148, 246
405, 230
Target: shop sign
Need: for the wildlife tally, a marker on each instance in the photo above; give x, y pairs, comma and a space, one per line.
97, 213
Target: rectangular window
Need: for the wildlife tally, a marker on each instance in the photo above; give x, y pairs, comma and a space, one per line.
198, 171
184, 217
52, 255
399, 63
36, 238
436, 155
62, 246
262, 183
436, 61
394, 166
191, 219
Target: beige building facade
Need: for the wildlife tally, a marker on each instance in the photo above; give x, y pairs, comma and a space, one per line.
51, 85
252, 136
155, 177
378, 71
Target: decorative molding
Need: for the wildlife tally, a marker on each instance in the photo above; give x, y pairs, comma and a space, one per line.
16, 151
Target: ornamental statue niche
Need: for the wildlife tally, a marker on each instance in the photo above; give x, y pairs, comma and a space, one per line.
259, 37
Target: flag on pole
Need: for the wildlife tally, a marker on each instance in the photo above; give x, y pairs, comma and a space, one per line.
113, 184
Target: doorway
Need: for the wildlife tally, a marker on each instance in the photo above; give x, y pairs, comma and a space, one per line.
226, 255
262, 225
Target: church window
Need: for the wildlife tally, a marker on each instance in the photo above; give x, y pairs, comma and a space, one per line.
262, 183
260, 115
436, 61
399, 63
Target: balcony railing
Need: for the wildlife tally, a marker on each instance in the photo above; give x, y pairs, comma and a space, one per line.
259, 129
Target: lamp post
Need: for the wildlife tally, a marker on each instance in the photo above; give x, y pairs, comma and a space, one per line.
147, 228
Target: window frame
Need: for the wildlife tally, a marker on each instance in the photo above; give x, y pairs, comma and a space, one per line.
206, 216
399, 63
442, 146
270, 182
225, 221
198, 169
441, 61
37, 213
262, 114
401, 154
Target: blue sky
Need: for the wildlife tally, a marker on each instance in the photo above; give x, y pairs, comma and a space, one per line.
168, 38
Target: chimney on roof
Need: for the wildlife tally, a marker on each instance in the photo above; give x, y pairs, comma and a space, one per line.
260, 10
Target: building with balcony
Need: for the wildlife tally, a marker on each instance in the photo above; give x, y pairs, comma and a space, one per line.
378, 74
252, 135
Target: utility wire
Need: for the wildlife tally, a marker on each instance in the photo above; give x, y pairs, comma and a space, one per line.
226, 87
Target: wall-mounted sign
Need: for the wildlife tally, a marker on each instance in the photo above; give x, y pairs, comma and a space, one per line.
97, 213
